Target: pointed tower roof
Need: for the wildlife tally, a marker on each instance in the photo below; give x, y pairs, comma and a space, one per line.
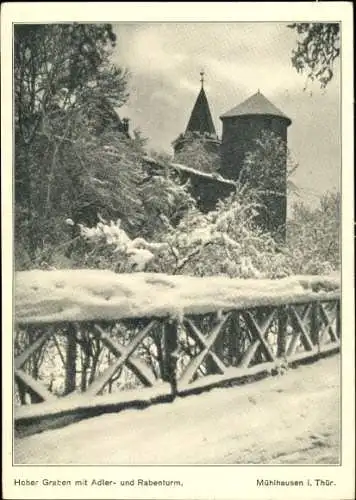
200, 119
257, 104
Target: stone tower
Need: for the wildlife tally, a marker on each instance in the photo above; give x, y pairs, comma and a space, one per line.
242, 125
200, 124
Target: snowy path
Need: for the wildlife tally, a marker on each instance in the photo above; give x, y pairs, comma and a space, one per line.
289, 419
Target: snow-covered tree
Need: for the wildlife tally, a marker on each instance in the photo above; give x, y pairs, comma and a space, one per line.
313, 236
269, 165
64, 84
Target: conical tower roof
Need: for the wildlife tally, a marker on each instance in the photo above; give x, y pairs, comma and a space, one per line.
257, 104
200, 119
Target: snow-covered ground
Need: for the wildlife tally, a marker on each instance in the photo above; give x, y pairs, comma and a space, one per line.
288, 419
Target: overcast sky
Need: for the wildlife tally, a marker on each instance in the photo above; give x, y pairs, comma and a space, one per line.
238, 59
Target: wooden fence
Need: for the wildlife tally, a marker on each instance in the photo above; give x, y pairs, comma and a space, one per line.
89, 342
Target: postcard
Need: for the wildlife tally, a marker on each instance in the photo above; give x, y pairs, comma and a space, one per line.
177, 227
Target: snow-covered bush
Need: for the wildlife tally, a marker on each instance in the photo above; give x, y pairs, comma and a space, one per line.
225, 241
107, 245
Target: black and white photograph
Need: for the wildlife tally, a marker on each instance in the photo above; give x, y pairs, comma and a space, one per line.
178, 200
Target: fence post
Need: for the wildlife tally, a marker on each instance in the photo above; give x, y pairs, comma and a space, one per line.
71, 357
35, 398
235, 339
219, 344
171, 353
315, 324
282, 331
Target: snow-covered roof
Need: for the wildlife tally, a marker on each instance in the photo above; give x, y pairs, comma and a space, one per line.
192, 171
87, 294
213, 176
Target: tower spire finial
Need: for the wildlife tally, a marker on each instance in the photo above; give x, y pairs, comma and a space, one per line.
202, 73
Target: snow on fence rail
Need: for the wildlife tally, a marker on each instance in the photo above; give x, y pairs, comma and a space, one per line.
85, 336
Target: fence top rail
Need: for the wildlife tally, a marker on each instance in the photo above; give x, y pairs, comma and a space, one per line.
87, 294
